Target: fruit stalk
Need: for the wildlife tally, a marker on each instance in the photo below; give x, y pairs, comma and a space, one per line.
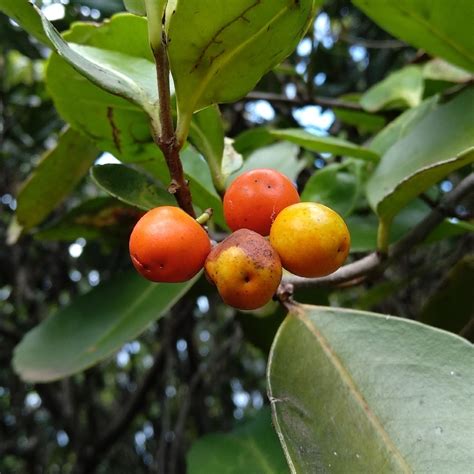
164, 134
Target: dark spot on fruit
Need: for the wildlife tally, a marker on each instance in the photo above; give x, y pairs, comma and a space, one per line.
269, 187
162, 265
246, 279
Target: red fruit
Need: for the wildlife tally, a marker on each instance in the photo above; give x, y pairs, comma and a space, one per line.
255, 198
168, 245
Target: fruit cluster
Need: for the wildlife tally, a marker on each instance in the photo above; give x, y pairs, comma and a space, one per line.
305, 238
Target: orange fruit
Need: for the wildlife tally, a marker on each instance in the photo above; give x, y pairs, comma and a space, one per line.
168, 245
312, 240
245, 269
256, 197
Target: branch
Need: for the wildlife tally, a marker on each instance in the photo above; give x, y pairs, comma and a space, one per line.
373, 262
373, 44
165, 137
321, 101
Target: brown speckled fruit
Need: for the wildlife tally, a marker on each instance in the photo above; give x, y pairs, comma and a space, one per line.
312, 240
245, 269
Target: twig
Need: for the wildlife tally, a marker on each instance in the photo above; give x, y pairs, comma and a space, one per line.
373, 44
315, 100
375, 261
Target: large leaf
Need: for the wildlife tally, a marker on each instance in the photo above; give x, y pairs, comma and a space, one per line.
114, 123
25, 14
131, 186
403, 88
93, 327
359, 392
441, 28
337, 146
441, 143
131, 77
280, 156
56, 175
219, 50
250, 448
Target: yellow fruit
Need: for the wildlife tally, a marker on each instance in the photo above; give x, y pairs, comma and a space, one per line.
312, 240
245, 269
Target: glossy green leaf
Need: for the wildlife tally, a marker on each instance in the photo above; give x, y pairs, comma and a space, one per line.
452, 306
55, 177
137, 7
114, 123
102, 218
207, 136
219, 50
402, 125
441, 28
93, 327
439, 70
131, 186
127, 76
400, 89
25, 14
282, 157
252, 139
337, 186
362, 392
251, 448
337, 146
441, 143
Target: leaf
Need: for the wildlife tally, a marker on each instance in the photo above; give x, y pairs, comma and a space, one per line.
252, 139
252, 447
400, 89
131, 186
133, 78
97, 218
219, 50
353, 391
206, 133
312, 142
93, 327
402, 125
439, 70
114, 123
282, 157
25, 14
336, 186
452, 306
441, 28
137, 7
56, 175
441, 143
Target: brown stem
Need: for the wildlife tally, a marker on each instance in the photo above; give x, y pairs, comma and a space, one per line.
376, 262
166, 138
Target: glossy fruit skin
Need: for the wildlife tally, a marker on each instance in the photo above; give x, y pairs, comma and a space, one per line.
245, 269
255, 198
168, 245
312, 240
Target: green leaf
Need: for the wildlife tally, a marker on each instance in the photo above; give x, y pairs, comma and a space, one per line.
282, 157
439, 70
93, 327
114, 123
251, 448
25, 14
127, 76
400, 89
441, 143
360, 392
252, 139
137, 7
131, 186
452, 306
219, 50
441, 28
207, 136
402, 125
337, 186
56, 175
98, 218
312, 142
